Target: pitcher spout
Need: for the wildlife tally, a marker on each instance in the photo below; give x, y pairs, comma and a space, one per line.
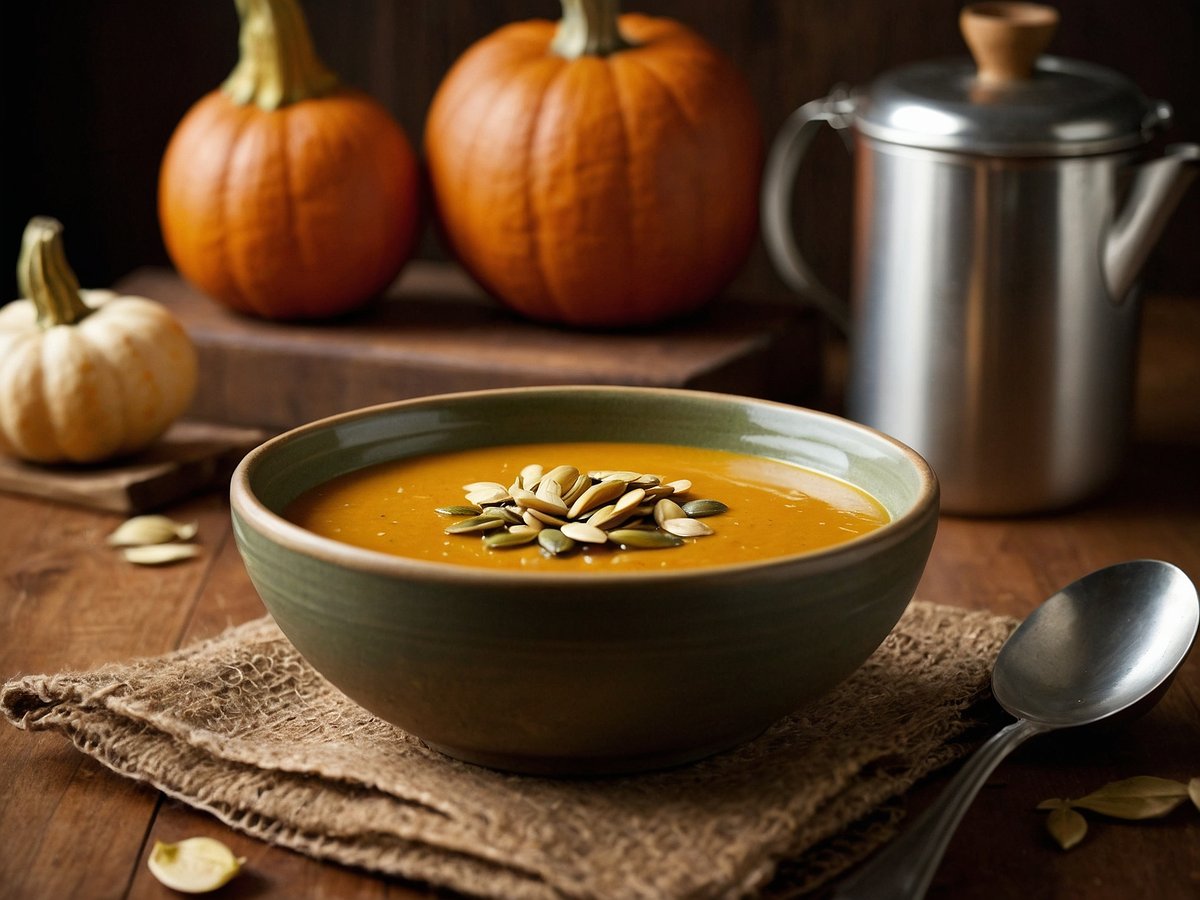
1158, 187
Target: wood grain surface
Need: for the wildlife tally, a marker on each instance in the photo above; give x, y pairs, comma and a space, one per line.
69, 828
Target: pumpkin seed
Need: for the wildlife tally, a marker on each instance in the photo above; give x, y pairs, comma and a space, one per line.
601, 515
490, 495
501, 539
658, 491
698, 509
624, 520
601, 474
484, 522
597, 495
159, 554
554, 541
563, 476
483, 486
629, 500
643, 539
560, 506
550, 491
667, 509
506, 514
546, 517
624, 477
151, 529
570, 495
522, 496
685, 527
195, 865
585, 533
530, 500
471, 510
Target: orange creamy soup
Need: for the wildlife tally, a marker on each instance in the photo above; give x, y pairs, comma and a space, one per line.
773, 508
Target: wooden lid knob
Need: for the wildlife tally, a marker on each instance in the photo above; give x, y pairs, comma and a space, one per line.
1007, 38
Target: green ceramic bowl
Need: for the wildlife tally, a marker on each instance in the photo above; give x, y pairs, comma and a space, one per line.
580, 673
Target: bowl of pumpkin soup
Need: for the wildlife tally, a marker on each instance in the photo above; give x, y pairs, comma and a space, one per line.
584, 580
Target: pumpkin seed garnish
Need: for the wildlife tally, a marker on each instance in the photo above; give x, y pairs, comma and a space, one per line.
513, 538
666, 509
530, 476
195, 865
597, 495
506, 514
582, 483
488, 495
698, 509
685, 527
629, 500
530, 500
550, 491
560, 507
471, 510
546, 518
483, 486
475, 523
563, 476
658, 491
602, 516
582, 531
554, 541
644, 539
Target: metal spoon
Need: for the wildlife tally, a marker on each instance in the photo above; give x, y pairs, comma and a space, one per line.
1096, 648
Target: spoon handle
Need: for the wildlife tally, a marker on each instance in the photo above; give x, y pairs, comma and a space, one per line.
904, 869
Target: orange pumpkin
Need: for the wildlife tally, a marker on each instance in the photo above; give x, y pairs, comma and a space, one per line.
600, 172
282, 194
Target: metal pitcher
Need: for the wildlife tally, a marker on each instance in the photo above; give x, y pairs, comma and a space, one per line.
1002, 214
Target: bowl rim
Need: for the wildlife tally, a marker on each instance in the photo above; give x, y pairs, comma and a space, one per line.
279, 530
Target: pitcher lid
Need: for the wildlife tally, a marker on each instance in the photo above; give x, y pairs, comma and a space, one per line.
1010, 100
1067, 108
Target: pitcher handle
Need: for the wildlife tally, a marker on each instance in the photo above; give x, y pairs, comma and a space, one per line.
779, 180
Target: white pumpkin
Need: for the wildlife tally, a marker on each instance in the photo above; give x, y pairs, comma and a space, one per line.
85, 376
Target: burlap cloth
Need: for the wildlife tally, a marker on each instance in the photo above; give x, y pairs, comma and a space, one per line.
242, 727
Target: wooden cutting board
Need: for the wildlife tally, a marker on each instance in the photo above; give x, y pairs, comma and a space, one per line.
190, 457
436, 332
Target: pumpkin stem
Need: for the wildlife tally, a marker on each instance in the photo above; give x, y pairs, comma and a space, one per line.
277, 63
588, 28
44, 276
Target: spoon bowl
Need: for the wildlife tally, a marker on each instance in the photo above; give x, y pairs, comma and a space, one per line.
1099, 646
1106, 644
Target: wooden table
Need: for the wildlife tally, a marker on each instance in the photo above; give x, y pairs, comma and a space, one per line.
70, 828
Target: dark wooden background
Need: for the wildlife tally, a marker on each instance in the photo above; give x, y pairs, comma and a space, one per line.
93, 89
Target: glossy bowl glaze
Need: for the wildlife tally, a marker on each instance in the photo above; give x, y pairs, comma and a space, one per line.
581, 673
